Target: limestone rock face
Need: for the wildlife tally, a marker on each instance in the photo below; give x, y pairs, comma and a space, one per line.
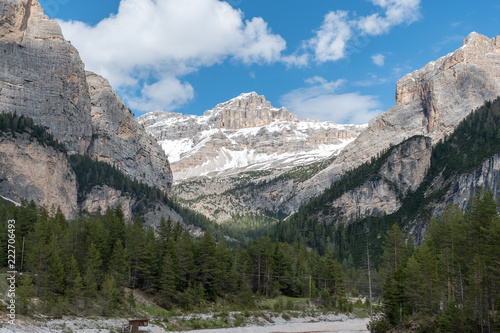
403, 171
31, 171
461, 189
248, 110
119, 140
42, 75
430, 101
244, 133
407, 165
104, 197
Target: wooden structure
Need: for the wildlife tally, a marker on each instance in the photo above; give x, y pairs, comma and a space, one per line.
136, 326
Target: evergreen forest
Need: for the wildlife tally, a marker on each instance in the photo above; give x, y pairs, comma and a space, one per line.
82, 266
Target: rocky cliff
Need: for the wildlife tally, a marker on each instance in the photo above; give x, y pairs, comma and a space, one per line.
42, 75
402, 172
32, 171
430, 101
119, 140
461, 189
248, 110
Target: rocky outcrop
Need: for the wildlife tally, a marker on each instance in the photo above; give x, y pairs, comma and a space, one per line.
461, 189
102, 198
31, 171
119, 140
407, 165
248, 110
42, 75
430, 101
403, 171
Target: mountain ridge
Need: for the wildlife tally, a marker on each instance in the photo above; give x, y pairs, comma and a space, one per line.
245, 133
430, 101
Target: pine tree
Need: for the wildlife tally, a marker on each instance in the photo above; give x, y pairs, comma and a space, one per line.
137, 253
118, 267
76, 292
25, 292
226, 273
167, 283
131, 301
56, 275
185, 261
93, 272
207, 264
109, 295
395, 249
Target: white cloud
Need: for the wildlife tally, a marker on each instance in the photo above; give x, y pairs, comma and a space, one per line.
378, 59
396, 12
331, 41
320, 100
258, 44
159, 41
166, 94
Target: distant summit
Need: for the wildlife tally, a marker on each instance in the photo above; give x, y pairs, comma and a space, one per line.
248, 110
244, 132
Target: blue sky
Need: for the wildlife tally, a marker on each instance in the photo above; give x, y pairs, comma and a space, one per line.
328, 60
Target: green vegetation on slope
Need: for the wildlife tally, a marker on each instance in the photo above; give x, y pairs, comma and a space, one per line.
90, 173
14, 124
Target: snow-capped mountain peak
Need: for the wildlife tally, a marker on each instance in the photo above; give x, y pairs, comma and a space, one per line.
244, 133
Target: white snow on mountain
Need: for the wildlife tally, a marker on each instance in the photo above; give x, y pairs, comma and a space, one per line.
244, 133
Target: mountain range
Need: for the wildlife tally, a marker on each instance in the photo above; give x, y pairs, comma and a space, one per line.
245, 156
79, 147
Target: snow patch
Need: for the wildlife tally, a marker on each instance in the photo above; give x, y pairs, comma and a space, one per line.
10, 200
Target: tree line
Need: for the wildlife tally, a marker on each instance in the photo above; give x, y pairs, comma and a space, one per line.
14, 124
451, 283
82, 266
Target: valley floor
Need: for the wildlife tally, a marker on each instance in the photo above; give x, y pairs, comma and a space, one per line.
341, 326
324, 323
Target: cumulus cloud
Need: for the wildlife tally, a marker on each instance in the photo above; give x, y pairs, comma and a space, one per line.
151, 44
320, 100
396, 13
329, 44
378, 59
166, 94
331, 41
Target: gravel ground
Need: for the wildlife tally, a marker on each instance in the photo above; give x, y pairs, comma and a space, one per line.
325, 323
345, 325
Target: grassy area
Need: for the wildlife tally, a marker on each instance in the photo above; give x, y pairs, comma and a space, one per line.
224, 315
284, 303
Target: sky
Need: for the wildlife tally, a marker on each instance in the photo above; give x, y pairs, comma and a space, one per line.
322, 59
